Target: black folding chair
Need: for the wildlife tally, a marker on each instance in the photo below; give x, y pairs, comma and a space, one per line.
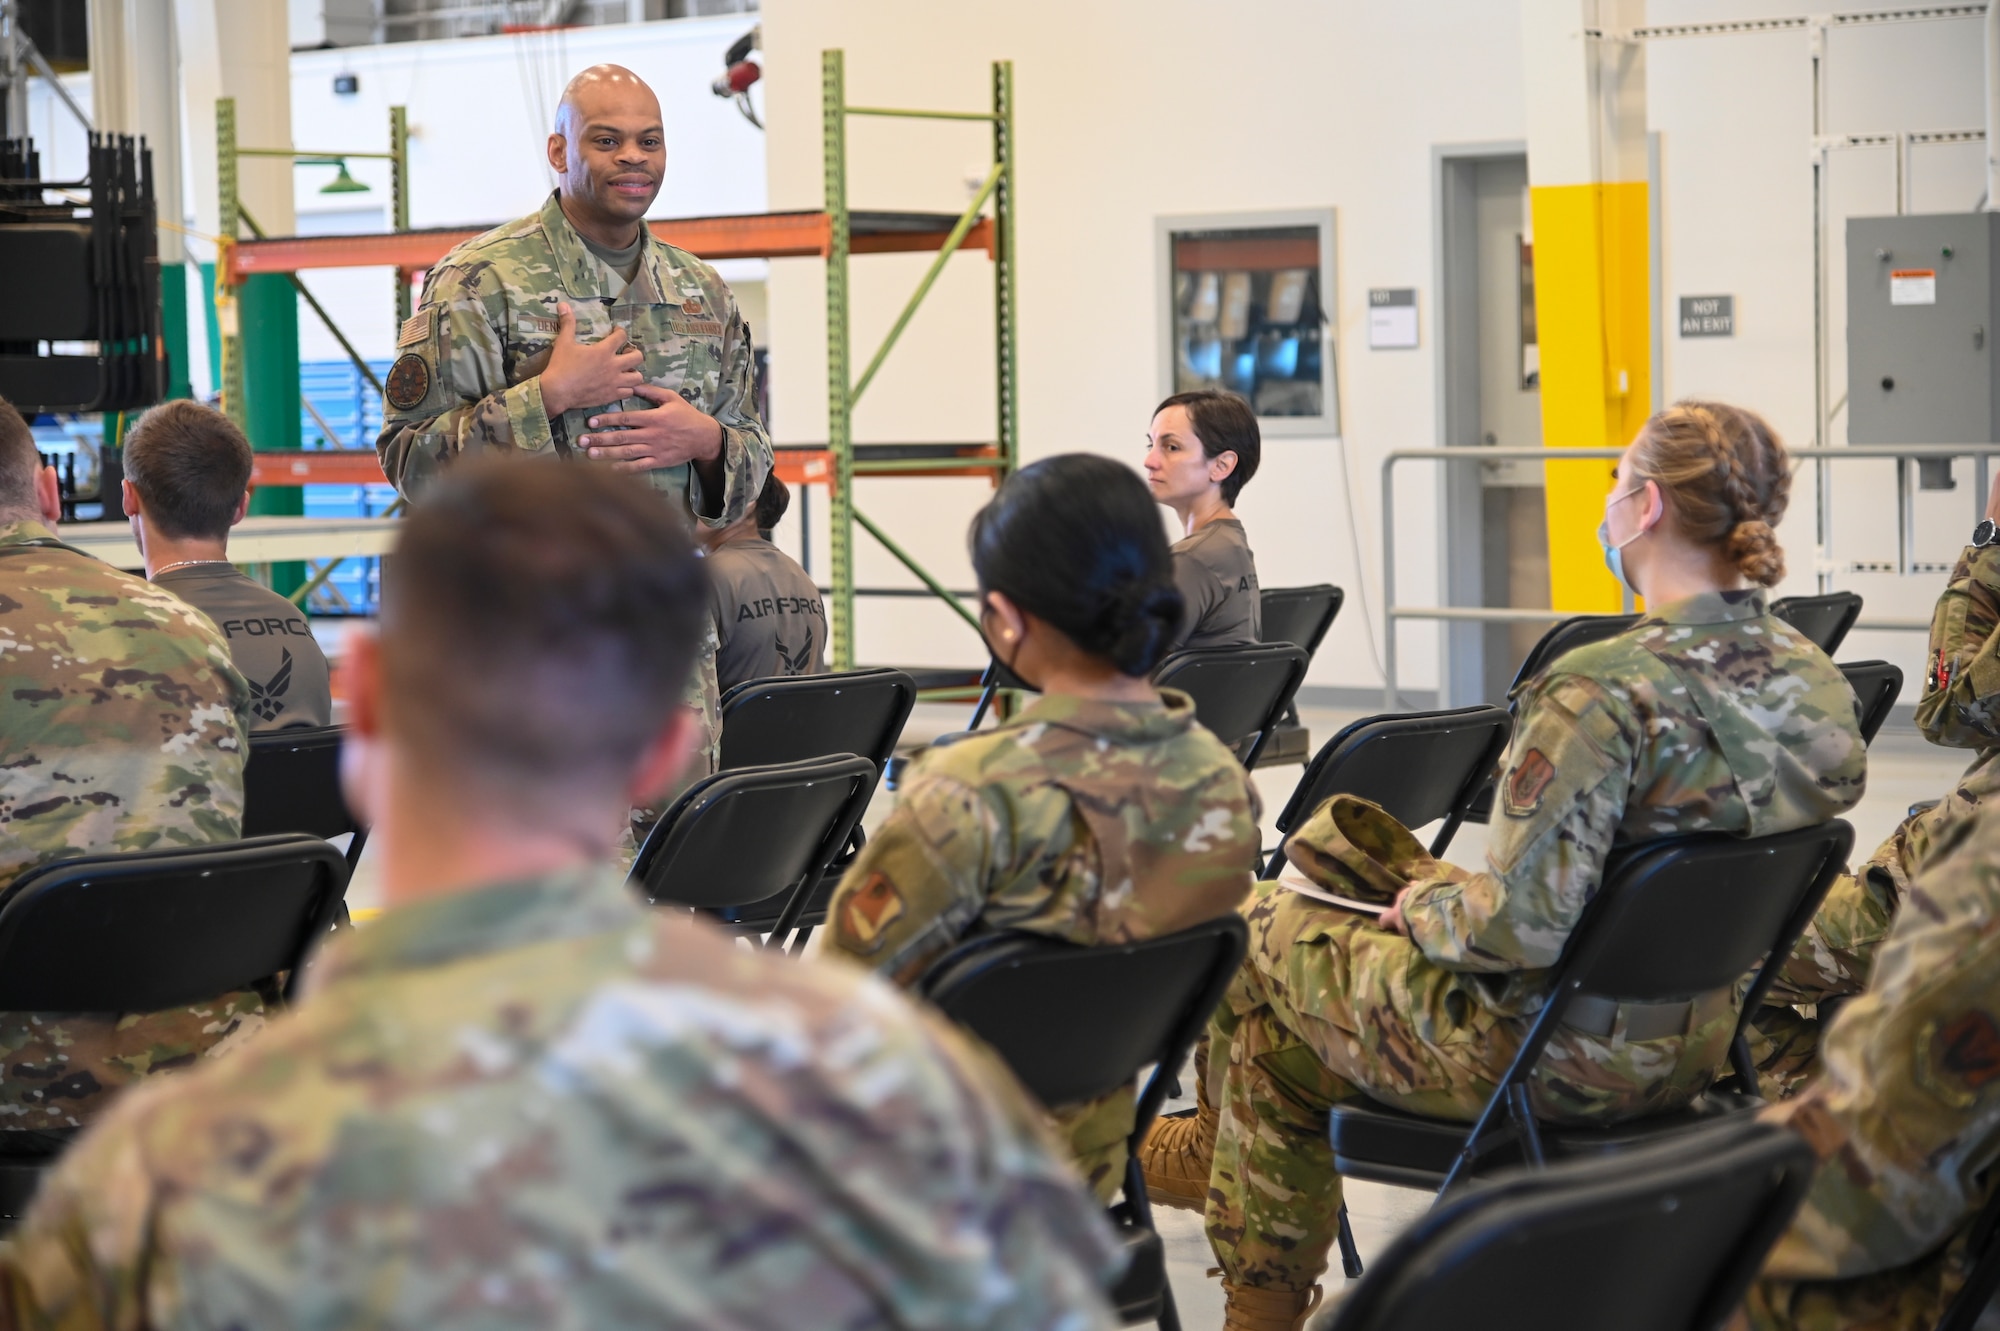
1419, 766
791, 719
1982, 1278
159, 929
291, 783
1665, 1238
1239, 692
1076, 1023
744, 845
1299, 615
1825, 619
1876, 685
1566, 636
1673, 920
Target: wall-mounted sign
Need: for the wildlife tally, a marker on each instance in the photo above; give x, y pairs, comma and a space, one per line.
1913, 286
1392, 318
1708, 316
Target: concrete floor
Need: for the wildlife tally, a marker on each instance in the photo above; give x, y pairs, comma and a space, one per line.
1902, 770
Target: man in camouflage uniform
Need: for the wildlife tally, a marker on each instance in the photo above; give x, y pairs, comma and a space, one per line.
521, 1098
1960, 709
576, 332
1087, 820
1637, 737
1905, 1113
121, 728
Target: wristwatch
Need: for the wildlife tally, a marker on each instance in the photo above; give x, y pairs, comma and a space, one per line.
1986, 533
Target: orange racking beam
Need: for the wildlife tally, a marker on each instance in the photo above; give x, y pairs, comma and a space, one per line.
754, 236
324, 466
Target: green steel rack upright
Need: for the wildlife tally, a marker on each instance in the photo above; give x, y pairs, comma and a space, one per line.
843, 391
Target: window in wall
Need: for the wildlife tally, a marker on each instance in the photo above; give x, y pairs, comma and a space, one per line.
1247, 298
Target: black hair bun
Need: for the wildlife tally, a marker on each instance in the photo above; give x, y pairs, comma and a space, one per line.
1139, 627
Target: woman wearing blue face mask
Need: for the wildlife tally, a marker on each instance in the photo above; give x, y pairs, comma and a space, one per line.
1709, 716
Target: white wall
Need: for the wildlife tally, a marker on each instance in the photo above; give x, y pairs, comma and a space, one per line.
1735, 117
479, 114
1127, 110
1131, 109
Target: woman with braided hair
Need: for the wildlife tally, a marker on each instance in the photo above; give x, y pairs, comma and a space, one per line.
1709, 715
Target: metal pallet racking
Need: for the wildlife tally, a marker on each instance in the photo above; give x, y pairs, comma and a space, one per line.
836, 234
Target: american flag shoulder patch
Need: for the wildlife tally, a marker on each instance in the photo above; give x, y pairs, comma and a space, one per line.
415, 329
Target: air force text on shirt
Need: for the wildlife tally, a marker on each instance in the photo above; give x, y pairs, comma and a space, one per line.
259, 628
780, 605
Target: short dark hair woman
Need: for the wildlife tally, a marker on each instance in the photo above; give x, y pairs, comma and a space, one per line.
1202, 449
1102, 812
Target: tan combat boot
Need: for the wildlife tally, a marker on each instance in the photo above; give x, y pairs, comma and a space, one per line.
1177, 1154
1247, 1309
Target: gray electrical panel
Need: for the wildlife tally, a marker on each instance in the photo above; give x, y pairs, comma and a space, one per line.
1922, 308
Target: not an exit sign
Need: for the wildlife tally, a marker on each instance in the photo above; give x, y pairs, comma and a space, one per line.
1708, 316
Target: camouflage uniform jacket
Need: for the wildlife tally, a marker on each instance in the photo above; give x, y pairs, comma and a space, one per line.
467, 375
121, 729
1089, 821
538, 1105
1960, 708
1906, 1113
1709, 715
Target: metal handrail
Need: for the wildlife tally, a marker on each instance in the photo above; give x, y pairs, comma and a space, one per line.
1902, 454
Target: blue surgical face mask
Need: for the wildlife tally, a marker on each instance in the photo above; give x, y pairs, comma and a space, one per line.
1614, 555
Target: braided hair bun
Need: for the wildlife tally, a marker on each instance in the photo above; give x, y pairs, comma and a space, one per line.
1729, 478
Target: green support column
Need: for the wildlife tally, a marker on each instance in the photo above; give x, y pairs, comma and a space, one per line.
399, 198
260, 379
174, 328
1009, 422
213, 327
839, 391
268, 316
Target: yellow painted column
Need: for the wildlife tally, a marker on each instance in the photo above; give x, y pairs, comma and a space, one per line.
1587, 193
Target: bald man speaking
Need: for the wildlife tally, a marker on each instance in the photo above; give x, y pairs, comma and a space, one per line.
576, 331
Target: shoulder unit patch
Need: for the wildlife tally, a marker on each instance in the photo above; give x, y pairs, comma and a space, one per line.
409, 382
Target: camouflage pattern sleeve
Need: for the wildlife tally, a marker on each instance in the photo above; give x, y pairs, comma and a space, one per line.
448, 392
922, 879
1961, 704
1907, 1112
746, 444
84, 1264
1562, 794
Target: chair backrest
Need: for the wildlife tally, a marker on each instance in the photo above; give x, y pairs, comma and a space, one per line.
1665, 1237
1419, 766
1238, 692
1877, 685
1299, 615
159, 929
1075, 1023
1567, 636
1825, 619
1982, 1279
743, 836
291, 783
770, 721
1688, 915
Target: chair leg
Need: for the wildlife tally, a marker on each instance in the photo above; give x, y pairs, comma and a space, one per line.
804, 933
1350, 1256
1521, 1109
